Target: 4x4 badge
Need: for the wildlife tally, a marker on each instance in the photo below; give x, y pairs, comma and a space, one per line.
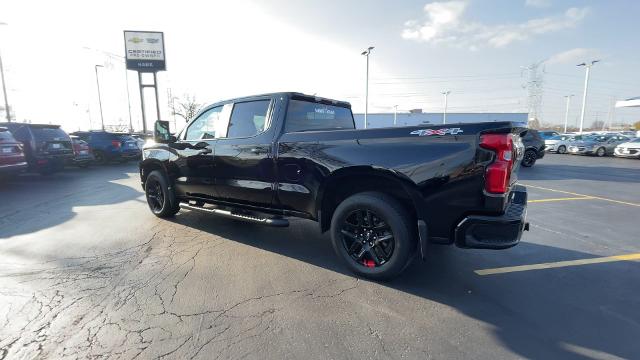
430, 132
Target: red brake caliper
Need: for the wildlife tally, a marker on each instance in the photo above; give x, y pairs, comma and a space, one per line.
368, 263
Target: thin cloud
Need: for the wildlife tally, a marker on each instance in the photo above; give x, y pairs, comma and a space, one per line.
574, 56
444, 23
538, 3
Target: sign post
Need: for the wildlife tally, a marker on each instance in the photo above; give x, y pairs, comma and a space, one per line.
144, 53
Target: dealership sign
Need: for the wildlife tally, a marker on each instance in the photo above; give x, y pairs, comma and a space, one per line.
144, 50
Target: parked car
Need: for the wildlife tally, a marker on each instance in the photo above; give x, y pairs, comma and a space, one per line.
107, 146
533, 148
558, 143
46, 147
12, 159
546, 134
599, 145
629, 149
82, 155
383, 194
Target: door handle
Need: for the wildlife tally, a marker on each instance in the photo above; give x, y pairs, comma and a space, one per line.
205, 151
259, 150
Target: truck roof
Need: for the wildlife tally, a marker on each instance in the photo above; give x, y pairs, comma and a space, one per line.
290, 94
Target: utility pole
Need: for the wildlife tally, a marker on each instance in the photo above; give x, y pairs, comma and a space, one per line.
446, 96
395, 115
4, 88
99, 97
566, 114
534, 89
586, 86
366, 93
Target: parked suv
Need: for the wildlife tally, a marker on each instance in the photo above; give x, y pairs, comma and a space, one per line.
108, 146
12, 160
82, 155
534, 148
46, 147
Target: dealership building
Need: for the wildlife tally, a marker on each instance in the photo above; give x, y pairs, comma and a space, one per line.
415, 118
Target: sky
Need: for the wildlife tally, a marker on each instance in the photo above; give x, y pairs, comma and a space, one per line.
217, 50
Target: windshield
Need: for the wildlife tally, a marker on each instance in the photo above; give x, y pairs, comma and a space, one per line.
309, 116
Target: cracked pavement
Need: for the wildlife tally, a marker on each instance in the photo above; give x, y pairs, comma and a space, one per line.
86, 271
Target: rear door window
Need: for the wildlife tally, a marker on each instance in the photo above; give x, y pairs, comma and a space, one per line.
309, 116
6, 135
248, 118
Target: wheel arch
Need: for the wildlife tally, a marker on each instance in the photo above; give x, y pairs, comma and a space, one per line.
348, 181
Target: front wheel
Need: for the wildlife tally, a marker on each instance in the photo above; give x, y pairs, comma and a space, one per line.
601, 152
562, 149
530, 157
372, 234
159, 198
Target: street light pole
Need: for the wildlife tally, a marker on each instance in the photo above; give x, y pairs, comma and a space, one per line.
99, 97
446, 97
366, 93
4, 88
395, 115
586, 86
566, 114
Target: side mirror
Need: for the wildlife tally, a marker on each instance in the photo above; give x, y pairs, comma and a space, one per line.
161, 133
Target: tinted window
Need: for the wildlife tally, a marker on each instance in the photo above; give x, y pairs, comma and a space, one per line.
204, 127
48, 133
5, 135
309, 116
248, 118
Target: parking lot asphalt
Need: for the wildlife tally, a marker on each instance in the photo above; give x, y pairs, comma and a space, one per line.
87, 271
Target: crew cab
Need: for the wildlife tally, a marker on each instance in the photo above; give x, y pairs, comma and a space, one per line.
384, 194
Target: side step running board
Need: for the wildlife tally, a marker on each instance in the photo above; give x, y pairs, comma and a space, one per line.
277, 222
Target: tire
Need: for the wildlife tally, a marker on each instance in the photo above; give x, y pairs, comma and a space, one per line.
160, 200
601, 152
99, 157
529, 159
368, 255
562, 149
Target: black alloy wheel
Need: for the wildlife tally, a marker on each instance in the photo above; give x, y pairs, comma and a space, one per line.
530, 157
374, 235
367, 238
161, 202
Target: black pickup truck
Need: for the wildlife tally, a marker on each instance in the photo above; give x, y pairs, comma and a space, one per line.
384, 194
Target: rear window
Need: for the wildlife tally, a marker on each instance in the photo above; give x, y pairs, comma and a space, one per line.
49, 133
6, 135
310, 116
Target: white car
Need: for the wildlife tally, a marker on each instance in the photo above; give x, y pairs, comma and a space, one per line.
629, 149
559, 143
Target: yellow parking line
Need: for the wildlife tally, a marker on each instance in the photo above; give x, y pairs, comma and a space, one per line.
583, 195
560, 199
558, 264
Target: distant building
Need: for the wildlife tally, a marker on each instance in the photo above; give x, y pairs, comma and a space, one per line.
415, 118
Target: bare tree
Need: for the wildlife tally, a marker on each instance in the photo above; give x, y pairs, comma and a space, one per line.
186, 107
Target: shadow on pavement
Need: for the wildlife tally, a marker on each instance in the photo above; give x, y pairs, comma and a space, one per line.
558, 313
33, 202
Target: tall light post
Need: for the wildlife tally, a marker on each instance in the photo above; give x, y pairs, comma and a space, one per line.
446, 98
395, 115
566, 114
4, 88
366, 93
586, 86
126, 79
99, 97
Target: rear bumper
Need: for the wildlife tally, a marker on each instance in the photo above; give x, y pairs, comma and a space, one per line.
126, 155
495, 232
13, 169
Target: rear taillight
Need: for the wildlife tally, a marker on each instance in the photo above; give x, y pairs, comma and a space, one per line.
116, 144
499, 172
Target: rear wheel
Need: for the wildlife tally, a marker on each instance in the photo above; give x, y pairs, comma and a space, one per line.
99, 157
601, 152
372, 234
530, 157
562, 149
159, 198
